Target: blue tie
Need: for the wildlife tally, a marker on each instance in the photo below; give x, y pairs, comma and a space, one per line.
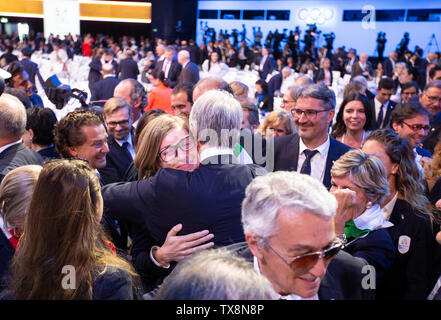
380, 117
306, 167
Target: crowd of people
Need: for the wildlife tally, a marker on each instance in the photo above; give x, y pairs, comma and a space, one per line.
197, 188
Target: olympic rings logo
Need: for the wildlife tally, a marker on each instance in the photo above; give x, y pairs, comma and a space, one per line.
315, 15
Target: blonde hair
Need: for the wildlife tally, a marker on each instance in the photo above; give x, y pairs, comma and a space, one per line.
240, 89
149, 142
15, 195
115, 104
274, 119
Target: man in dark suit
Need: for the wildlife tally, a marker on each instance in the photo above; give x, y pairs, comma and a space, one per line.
265, 65
430, 99
363, 67
286, 215
311, 151
190, 71
389, 64
31, 67
103, 89
381, 105
118, 119
12, 126
207, 198
170, 67
128, 68
182, 99
96, 65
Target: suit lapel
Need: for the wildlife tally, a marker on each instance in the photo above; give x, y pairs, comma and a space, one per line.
295, 151
333, 155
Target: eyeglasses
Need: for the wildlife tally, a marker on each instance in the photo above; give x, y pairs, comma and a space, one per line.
432, 98
417, 127
308, 260
309, 114
122, 123
171, 152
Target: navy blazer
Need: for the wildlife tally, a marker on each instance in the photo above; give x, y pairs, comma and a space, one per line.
430, 141
16, 156
173, 73
286, 155
32, 70
95, 71
275, 83
189, 74
128, 69
117, 163
376, 248
386, 122
408, 277
342, 280
388, 68
6, 254
103, 89
267, 68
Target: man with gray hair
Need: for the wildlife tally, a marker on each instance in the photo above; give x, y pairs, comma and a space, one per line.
12, 126
279, 83
288, 221
430, 99
208, 198
190, 71
311, 150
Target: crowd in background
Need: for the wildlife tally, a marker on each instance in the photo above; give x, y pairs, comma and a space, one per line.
136, 189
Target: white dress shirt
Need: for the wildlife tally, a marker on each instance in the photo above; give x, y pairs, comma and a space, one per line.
129, 147
318, 161
377, 109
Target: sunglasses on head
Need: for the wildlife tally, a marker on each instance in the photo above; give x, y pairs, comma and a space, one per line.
307, 260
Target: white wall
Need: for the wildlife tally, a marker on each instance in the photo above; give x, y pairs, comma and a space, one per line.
61, 17
350, 34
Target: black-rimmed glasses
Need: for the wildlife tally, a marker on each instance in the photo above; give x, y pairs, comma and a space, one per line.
309, 114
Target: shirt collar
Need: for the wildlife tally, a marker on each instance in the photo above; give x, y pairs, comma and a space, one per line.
214, 151
322, 149
277, 296
389, 207
10, 145
129, 140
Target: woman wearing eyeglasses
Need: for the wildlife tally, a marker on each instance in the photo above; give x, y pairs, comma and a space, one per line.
410, 211
165, 142
353, 121
363, 224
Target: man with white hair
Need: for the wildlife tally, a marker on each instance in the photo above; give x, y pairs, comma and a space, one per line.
279, 83
190, 71
12, 126
208, 198
288, 221
363, 67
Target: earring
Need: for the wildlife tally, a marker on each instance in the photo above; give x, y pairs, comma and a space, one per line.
369, 205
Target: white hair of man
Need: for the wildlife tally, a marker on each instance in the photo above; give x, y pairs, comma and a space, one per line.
12, 117
216, 119
266, 195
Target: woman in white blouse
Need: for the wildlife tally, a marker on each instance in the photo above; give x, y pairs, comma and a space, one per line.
214, 67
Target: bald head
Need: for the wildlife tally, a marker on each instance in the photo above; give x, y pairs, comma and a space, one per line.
183, 56
208, 84
12, 119
363, 57
302, 80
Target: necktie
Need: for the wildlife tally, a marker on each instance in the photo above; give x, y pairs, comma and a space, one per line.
306, 167
125, 147
164, 66
380, 117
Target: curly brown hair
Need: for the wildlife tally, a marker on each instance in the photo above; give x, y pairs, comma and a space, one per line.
68, 131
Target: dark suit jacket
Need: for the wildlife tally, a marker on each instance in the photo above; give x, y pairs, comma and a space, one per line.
209, 198
342, 280
275, 83
408, 276
173, 73
95, 70
376, 248
128, 69
267, 68
390, 107
6, 254
103, 89
189, 74
49, 153
117, 163
17, 156
267, 102
32, 70
388, 68
319, 75
430, 141
286, 155
357, 70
